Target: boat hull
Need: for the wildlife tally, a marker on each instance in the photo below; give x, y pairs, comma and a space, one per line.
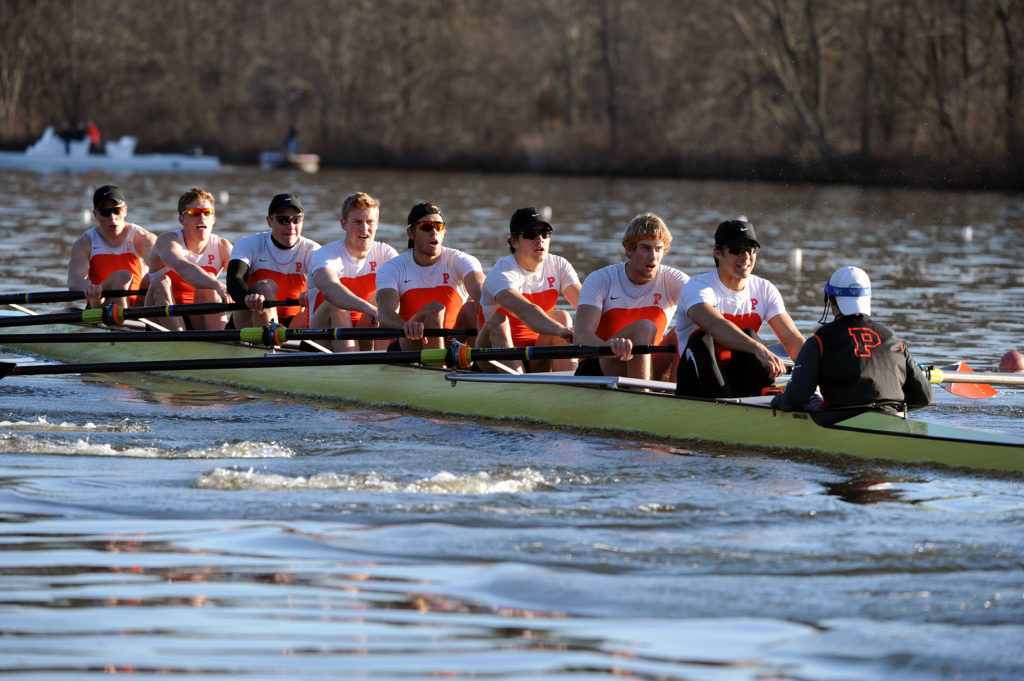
600, 404
167, 163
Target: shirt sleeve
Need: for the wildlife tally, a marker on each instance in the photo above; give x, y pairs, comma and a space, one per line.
388, 275
595, 289
917, 390
465, 264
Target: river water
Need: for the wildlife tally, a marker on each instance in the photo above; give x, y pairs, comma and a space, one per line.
154, 526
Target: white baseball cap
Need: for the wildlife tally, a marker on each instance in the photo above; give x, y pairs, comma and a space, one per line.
852, 290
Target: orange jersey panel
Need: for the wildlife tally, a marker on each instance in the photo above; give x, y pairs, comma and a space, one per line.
288, 286
616, 319
413, 299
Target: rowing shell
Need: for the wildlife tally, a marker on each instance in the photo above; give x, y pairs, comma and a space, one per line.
646, 408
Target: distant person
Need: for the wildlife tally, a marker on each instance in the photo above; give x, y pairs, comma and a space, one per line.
271, 266
113, 255
430, 285
93, 131
291, 143
858, 364
520, 293
632, 303
343, 273
721, 313
185, 263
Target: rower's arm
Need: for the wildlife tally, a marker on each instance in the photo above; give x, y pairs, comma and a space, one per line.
585, 330
531, 314
238, 272
78, 265
785, 330
572, 294
387, 308
802, 386
474, 283
917, 390
171, 253
730, 336
339, 295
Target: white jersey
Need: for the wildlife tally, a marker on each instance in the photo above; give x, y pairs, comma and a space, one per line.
358, 275
541, 288
443, 282
622, 302
287, 267
758, 302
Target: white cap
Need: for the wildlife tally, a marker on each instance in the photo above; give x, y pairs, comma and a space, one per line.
852, 289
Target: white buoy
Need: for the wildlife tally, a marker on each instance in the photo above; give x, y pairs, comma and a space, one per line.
86, 216
968, 233
796, 259
545, 212
224, 197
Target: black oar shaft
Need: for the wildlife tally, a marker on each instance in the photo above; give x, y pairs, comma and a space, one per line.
61, 296
461, 356
114, 315
254, 335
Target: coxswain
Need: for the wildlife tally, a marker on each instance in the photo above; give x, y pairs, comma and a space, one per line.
858, 364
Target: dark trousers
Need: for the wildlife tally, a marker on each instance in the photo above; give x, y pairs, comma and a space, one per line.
700, 374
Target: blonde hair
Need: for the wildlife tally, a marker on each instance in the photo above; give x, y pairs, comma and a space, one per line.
193, 194
357, 201
646, 226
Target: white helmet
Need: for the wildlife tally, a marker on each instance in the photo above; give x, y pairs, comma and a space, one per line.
852, 289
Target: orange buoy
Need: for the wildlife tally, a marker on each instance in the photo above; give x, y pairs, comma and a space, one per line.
1012, 361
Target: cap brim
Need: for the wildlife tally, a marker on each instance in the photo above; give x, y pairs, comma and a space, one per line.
858, 305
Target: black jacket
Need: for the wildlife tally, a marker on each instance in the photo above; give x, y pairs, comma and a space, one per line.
859, 366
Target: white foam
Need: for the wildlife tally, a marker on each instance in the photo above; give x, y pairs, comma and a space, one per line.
513, 482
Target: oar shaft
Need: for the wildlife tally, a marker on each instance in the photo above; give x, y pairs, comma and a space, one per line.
254, 335
61, 296
114, 315
936, 375
433, 357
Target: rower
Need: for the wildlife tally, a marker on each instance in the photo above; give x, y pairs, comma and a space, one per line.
343, 273
631, 303
858, 364
720, 354
271, 266
113, 255
430, 285
185, 263
520, 292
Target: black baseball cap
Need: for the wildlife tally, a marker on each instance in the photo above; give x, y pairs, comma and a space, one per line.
282, 201
735, 232
108, 192
524, 219
422, 210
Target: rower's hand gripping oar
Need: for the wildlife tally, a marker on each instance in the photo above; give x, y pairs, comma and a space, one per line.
460, 356
61, 296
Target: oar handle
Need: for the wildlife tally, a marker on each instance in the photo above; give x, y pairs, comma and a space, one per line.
62, 296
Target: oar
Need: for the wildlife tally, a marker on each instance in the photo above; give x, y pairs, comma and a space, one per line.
61, 296
115, 316
264, 335
461, 356
961, 380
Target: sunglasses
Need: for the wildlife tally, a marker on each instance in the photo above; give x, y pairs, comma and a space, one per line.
113, 210
431, 226
531, 234
742, 250
193, 212
288, 219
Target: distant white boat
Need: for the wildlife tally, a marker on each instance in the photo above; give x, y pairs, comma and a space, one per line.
273, 160
53, 154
